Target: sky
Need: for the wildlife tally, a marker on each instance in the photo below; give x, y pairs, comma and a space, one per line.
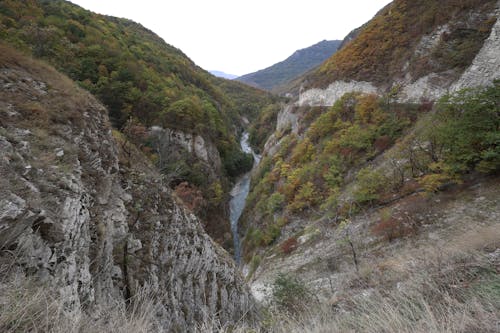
241, 36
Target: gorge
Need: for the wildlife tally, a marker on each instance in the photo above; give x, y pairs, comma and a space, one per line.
371, 204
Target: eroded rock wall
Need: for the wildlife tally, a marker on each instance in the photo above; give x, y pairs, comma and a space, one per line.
486, 65
77, 218
328, 96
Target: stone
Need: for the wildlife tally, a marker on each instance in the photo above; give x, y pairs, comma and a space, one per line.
98, 231
328, 96
486, 65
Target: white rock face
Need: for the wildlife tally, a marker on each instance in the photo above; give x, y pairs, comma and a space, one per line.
486, 66
287, 119
429, 87
328, 96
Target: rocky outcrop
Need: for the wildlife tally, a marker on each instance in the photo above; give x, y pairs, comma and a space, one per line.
192, 143
287, 119
430, 87
486, 66
328, 96
415, 86
96, 229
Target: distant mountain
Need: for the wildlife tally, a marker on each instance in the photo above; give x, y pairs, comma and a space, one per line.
223, 75
297, 64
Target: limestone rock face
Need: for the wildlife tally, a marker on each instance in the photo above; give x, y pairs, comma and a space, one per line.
192, 143
484, 69
96, 230
287, 118
486, 66
328, 96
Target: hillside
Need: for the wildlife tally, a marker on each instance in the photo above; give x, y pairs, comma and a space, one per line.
145, 82
422, 45
295, 65
380, 180
91, 240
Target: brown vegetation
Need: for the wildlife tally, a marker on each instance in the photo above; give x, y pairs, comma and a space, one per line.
381, 49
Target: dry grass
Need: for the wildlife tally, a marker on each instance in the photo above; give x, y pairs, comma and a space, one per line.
27, 306
446, 291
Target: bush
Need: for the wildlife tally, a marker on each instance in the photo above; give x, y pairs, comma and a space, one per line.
271, 233
392, 226
290, 294
275, 202
191, 196
432, 182
370, 184
468, 129
289, 245
237, 162
254, 264
306, 197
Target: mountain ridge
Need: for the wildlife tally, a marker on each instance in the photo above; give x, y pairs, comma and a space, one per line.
298, 63
223, 74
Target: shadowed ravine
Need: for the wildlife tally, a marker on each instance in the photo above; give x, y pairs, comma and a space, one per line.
239, 195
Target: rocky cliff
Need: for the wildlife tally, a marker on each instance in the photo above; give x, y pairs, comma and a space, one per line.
92, 222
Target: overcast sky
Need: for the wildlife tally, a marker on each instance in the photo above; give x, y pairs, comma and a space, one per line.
241, 36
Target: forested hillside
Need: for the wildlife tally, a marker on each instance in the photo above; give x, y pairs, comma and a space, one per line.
360, 159
145, 82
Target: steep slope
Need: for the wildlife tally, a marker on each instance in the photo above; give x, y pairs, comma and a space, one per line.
84, 214
358, 174
145, 82
416, 48
295, 65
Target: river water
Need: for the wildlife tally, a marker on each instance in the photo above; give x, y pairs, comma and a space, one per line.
239, 195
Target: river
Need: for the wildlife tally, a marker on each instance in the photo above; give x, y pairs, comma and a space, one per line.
239, 195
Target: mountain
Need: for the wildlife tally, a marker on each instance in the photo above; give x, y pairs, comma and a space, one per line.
424, 46
146, 83
378, 185
87, 223
374, 207
223, 75
297, 64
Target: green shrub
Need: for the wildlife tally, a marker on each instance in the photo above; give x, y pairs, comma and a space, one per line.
306, 197
271, 233
275, 202
468, 129
237, 162
370, 184
254, 264
290, 294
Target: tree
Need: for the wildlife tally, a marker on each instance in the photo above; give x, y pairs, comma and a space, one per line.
370, 183
345, 228
290, 294
468, 128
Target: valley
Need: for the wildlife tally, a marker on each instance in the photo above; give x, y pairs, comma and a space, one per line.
359, 193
